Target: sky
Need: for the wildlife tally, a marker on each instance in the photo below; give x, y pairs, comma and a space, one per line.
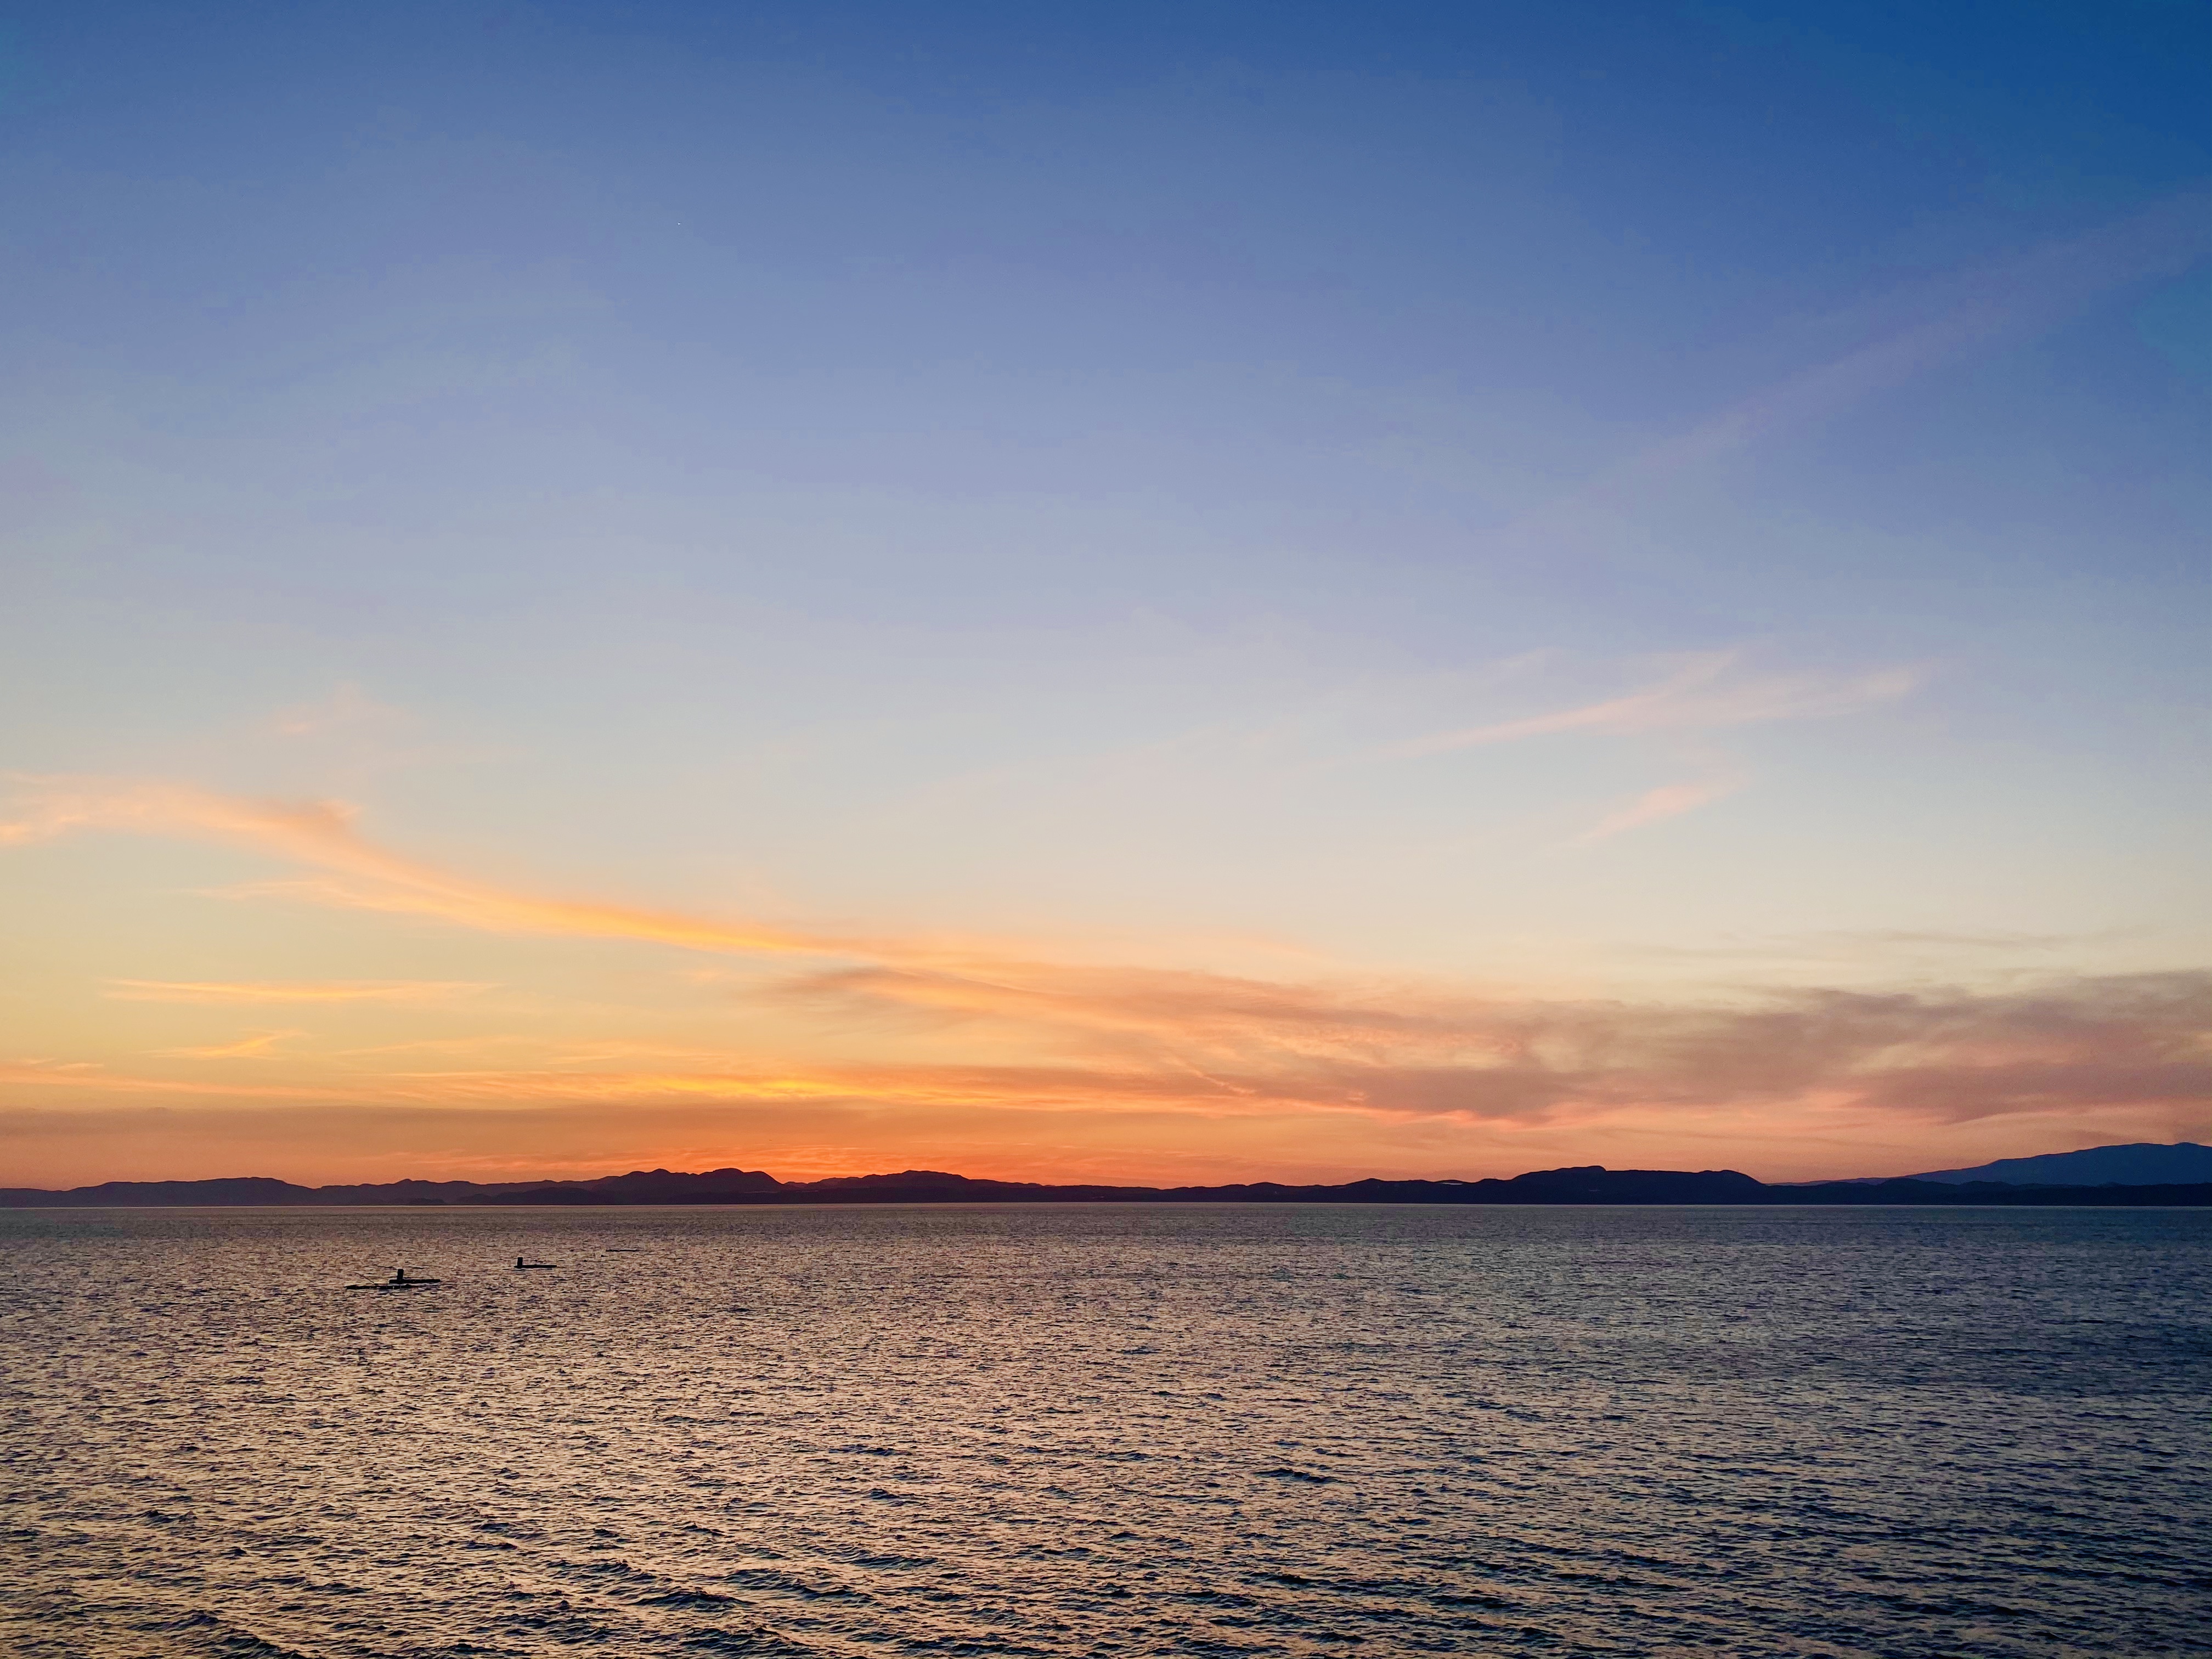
1153, 592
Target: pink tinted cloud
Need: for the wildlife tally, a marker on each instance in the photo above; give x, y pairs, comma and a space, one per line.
1042, 1038
1669, 800
1024, 1034
1944, 1053
1703, 694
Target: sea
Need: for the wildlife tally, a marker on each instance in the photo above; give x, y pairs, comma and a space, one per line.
1115, 1429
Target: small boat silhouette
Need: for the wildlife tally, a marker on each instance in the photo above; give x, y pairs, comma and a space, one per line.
523, 1267
400, 1281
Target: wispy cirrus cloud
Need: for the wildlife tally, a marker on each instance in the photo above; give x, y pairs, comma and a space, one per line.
1879, 348
258, 991
29, 1078
1669, 800
1708, 691
1029, 1035
347, 707
358, 874
1969, 310
262, 1045
1144, 1043
1915, 333
1949, 1054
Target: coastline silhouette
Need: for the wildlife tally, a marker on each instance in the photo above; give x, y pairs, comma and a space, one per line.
1582, 1184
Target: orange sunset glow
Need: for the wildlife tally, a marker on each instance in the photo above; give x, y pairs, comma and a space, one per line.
592, 1033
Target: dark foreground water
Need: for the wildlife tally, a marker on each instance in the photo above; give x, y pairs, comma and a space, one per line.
1121, 1430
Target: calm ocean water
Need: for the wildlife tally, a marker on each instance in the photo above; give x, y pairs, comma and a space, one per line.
1121, 1430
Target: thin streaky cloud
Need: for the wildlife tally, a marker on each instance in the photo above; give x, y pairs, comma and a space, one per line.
1182, 1044
25, 1074
348, 706
1701, 694
249, 991
467, 1045
355, 873
1970, 309
1668, 801
2122, 1039
321, 835
261, 1045
1115, 1040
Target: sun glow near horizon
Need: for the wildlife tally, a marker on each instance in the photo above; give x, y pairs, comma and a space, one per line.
943, 1051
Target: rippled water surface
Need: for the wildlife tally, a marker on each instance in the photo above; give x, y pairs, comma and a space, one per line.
1121, 1430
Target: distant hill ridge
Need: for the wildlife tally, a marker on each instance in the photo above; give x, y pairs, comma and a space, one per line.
2138, 1164
2052, 1183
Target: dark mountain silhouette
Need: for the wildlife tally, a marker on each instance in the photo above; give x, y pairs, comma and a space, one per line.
1585, 1184
1593, 1184
1596, 1184
229, 1190
2137, 1164
639, 1187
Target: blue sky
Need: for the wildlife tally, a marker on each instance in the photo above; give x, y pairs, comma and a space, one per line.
1644, 507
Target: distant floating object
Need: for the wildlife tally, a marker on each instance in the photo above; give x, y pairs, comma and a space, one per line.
523, 1267
400, 1281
